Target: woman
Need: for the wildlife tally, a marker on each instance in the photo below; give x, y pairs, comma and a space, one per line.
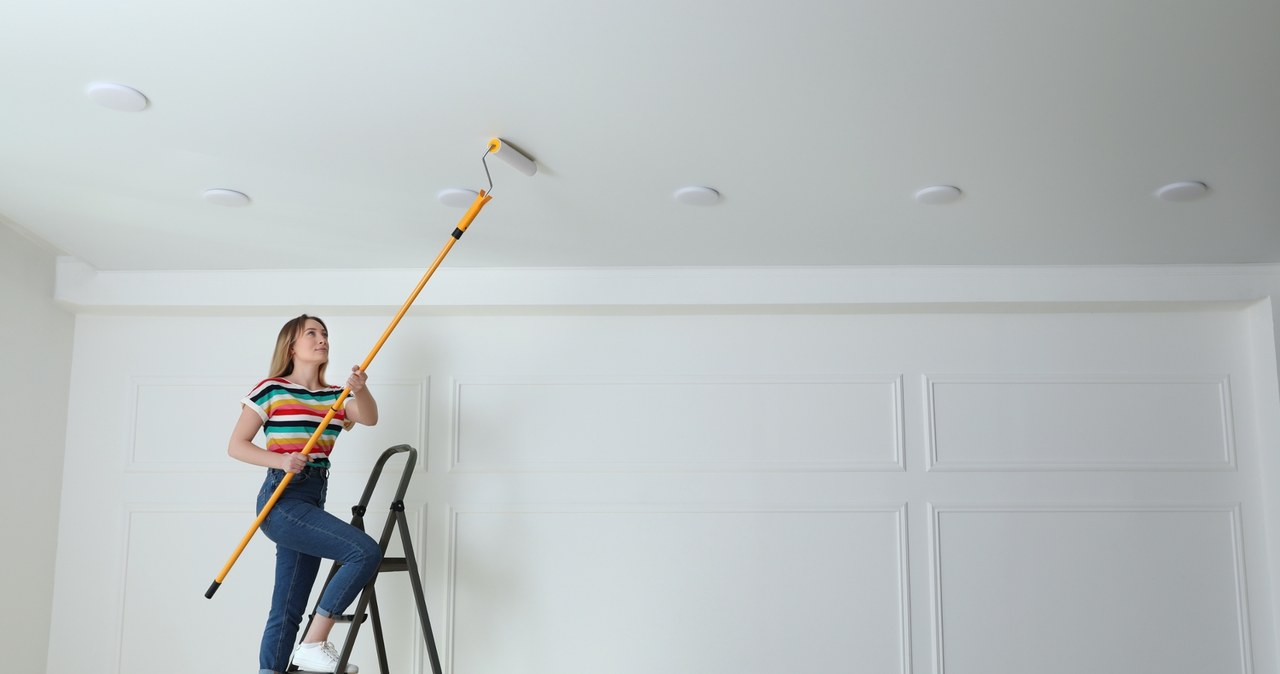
288, 407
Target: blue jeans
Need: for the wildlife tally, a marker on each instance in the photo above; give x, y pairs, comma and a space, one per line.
304, 534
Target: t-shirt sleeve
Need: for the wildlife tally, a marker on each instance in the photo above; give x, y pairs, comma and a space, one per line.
259, 399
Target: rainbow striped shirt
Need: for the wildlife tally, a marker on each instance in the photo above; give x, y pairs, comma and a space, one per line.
290, 415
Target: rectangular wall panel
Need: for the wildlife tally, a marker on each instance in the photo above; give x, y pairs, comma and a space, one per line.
1021, 590
165, 617
1047, 423
165, 410
636, 592
680, 425
169, 411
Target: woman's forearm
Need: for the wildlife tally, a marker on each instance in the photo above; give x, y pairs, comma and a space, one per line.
246, 451
366, 408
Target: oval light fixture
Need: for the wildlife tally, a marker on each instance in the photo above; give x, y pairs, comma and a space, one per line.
225, 197
696, 196
117, 97
1186, 190
457, 197
938, 194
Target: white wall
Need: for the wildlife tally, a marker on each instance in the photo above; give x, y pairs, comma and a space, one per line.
1009, 471
35, 357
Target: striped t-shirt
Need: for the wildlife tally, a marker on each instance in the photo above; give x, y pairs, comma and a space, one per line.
291, 413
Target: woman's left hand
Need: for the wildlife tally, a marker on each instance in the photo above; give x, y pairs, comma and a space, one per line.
355, 383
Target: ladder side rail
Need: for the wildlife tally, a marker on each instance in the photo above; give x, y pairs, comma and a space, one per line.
367, 595
357, 520
368, 600
384, 541
376, 616
415, 581
349, 643
397, 503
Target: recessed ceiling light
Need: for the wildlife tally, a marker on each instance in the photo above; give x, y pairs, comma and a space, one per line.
1182, 191
696, 196
456, 197
116, 96
224, 197
938, 194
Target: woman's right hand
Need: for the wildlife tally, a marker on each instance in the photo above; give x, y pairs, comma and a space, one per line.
292, 463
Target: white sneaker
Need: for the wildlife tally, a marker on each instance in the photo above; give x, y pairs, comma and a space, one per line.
319, 657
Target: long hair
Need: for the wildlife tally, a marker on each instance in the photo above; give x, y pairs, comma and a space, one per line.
282, 359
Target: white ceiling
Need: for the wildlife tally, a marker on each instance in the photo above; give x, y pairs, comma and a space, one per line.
816, 119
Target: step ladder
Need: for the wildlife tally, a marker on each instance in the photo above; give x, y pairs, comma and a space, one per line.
367, 605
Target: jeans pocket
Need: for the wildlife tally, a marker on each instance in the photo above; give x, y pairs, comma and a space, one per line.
269, 485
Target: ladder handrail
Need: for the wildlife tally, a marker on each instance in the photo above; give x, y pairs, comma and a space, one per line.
405, 476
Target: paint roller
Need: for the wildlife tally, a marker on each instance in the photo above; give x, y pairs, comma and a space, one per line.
509, 154
498, 148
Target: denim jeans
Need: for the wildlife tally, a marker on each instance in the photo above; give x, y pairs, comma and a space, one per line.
304, 534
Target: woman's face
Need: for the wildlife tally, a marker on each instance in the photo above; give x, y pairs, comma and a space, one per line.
312, 343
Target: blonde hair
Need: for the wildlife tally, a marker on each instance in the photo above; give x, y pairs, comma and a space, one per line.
282, 357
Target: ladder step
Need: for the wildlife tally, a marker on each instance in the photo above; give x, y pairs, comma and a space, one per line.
350, 617
393, 564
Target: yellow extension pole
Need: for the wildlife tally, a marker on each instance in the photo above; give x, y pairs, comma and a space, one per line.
481, 199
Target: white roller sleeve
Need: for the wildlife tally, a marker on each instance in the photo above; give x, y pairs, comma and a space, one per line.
513, 157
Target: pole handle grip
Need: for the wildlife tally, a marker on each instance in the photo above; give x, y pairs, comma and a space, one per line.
212, 588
